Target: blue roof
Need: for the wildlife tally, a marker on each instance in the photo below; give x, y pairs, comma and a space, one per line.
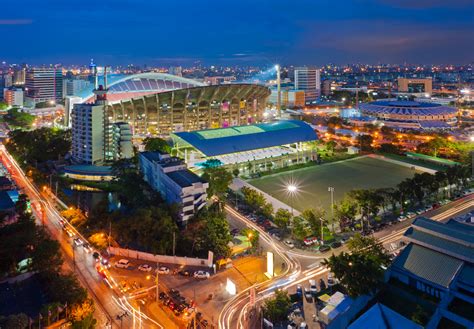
215, 142
380, 316
6, 202
89, 170
406, 108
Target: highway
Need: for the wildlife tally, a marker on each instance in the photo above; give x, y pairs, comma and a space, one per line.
108, 300
302, 265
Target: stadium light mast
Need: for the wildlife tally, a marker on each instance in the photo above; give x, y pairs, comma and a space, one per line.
277, 68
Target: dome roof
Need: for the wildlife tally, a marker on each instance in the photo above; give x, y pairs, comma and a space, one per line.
406, 108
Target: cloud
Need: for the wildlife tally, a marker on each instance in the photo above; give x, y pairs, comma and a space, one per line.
16, 21
425, 4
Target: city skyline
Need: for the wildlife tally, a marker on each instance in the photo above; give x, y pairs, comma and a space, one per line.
243, 33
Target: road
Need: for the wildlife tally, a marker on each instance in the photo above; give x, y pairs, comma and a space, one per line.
109, 302
303, 265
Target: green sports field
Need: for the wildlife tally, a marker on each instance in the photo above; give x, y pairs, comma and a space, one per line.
313, 182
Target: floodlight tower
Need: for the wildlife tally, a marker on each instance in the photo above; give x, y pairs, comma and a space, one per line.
277, 68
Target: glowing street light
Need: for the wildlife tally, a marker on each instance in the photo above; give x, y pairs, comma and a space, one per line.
292, 189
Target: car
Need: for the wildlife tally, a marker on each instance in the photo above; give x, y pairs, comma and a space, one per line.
184, 273
234, 231
145, 268
299, 290
312, 287
123, 263
420, 211
324, 248
307, 294
162, 296
78, 242
402, 218
336, 244
163, 270
276, 235
201, 275
289, 243
87, 247
410, 214
105, 262
70, 233
96, 256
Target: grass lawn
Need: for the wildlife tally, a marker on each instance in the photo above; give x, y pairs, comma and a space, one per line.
313, 182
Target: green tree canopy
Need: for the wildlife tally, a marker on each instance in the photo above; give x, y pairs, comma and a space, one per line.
219, 180
276, 308
282, 218
313, 217
157, 144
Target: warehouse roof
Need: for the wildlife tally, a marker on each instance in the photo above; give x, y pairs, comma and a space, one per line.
221, 141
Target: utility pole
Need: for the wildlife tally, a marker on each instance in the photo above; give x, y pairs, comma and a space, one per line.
110, 234
174, 243
157, 282
331, 190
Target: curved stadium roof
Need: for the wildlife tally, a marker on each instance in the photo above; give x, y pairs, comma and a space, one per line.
406, 108
214, 142
142, 82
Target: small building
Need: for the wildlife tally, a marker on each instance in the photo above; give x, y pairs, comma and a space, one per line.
89, 173
6, 184
170, 176
381, 317
353, 150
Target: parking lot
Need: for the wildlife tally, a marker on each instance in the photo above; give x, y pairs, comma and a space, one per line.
180, 292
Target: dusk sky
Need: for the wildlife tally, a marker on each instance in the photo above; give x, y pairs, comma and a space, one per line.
237, 31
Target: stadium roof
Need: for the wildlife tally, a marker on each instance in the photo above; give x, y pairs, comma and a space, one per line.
142, 82
406, 108
221, 141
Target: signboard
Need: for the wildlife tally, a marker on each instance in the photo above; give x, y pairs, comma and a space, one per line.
253, 296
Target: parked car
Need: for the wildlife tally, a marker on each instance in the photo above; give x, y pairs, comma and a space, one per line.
163, 270
78, 242
312, 287
87, 247
336, 244
201, 275
289, 243
145, 268
162, 296
324, 248
123, 263
402, 218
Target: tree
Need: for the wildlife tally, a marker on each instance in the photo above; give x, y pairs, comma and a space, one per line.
276, 308
313, 217
252, 235
345, 212
390, 148
282, 218
63, 288
215, 234
365, 142
20, 119
266, 210
75, 216
3, 106
236, 172
154, 144
83, 315
360, 271
46, 256
219, 180
301, 229
16, 321
331, 146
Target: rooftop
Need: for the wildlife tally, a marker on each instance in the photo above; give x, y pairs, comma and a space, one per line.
381, 317
428, 264
456, 232
185, 178
213, 142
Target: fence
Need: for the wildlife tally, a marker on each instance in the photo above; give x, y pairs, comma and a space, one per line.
186, 261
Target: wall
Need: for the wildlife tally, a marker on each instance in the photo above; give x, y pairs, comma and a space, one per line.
186, 261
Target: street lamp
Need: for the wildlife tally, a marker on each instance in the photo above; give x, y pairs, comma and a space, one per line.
292, 190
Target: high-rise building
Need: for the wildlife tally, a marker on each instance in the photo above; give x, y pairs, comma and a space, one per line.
96, 141
309, 80
19, 76
43, 84
13, 96
176, 70
72, 87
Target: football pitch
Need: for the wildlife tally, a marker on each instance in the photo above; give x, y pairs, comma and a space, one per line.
313, 182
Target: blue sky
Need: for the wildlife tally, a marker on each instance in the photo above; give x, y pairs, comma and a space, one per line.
242, 32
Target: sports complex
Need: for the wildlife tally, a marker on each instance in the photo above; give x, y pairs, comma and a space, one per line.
250, 148
312, 182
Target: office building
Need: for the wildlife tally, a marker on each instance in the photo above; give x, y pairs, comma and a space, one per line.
176, 70
13, 96
290, 98
439, 261
43, 84
169, 176
95, 140
309, 80
73, 87
19, 77
423, 87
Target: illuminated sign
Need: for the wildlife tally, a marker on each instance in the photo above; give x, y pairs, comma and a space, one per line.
230, 287
269, 272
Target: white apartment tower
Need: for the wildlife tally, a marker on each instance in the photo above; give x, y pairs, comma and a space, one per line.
309, 80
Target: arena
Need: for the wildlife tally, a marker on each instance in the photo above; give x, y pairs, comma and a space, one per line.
189, 109
410, 114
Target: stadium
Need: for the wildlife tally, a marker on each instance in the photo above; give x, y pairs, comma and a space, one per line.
251, 148
410, 114
159, 104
